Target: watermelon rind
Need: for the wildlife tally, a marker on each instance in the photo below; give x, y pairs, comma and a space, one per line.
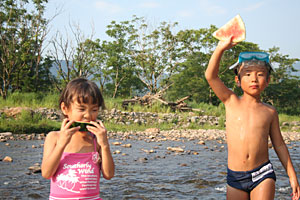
236, 20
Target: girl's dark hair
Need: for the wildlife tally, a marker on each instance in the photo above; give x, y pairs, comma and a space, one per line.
84, 90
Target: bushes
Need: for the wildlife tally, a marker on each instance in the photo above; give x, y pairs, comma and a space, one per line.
27, 122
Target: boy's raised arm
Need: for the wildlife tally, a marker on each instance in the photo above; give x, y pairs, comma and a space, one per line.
212, 71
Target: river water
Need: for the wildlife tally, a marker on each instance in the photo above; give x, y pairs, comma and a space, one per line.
197, 173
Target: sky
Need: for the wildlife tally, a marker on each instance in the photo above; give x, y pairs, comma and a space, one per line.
268, 23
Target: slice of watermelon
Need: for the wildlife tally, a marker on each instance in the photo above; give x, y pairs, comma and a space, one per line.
235, 27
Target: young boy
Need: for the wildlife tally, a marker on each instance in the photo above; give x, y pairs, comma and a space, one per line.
249, 123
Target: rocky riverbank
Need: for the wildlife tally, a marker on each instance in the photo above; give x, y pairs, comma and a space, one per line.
155, 135
182, 120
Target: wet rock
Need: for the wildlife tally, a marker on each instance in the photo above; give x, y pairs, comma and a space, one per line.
175, 149
117, 143
201, 142
183, 165
127, 145
36, 168
7, 159
7, 144
148, 151
117, 152
34, 196
143, 160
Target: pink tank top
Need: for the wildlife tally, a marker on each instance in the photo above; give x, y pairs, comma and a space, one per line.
77, 177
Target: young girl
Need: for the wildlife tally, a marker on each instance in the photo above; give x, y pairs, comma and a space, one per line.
73, 159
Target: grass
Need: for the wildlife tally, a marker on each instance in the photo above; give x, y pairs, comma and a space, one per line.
27, 122
31, 100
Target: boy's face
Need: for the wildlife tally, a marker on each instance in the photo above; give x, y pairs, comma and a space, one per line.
253, 79
80, 111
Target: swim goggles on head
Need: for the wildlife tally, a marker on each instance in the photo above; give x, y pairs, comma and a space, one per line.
260, 57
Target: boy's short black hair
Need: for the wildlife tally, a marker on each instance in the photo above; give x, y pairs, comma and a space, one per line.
84, 91
237, 69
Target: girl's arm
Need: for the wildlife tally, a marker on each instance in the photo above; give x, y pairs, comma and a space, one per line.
51, 156
108, 166
283, 155
54, 146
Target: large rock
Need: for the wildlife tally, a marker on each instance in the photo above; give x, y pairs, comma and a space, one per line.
6, 134
7, 159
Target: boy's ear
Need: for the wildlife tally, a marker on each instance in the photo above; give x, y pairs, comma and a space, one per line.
236, 78
64, 108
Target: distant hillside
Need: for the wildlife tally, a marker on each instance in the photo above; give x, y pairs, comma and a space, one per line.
53, 69
297, 66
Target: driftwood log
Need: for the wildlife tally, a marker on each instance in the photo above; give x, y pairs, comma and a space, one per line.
149, 99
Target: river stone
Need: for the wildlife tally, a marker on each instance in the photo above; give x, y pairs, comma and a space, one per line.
7, 159
176, 149
152, 130
6, 134
36, 168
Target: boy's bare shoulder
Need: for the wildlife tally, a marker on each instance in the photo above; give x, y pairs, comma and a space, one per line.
270, 108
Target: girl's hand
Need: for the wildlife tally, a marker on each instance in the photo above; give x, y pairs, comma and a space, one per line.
100, 131
66, 132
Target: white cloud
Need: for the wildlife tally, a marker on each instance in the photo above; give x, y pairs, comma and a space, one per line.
150, 4
108, 7
255, 6
211, 9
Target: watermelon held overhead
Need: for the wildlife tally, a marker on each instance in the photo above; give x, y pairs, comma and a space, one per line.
235, 27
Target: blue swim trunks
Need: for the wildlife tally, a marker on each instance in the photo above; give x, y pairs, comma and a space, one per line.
248, 180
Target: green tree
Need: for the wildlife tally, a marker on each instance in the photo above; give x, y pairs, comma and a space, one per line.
22, 33
119, 64
156, 54
72, 55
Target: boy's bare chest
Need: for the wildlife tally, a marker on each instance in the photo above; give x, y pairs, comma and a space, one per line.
248, 118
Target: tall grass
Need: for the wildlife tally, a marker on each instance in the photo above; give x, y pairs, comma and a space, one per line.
32, 100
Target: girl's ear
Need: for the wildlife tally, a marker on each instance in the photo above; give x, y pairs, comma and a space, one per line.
64, 108
237, 80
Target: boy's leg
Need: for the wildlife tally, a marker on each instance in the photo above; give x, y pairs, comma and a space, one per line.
264, 190
236, 194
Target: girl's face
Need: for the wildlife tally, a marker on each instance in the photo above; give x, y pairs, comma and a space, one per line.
80, 111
